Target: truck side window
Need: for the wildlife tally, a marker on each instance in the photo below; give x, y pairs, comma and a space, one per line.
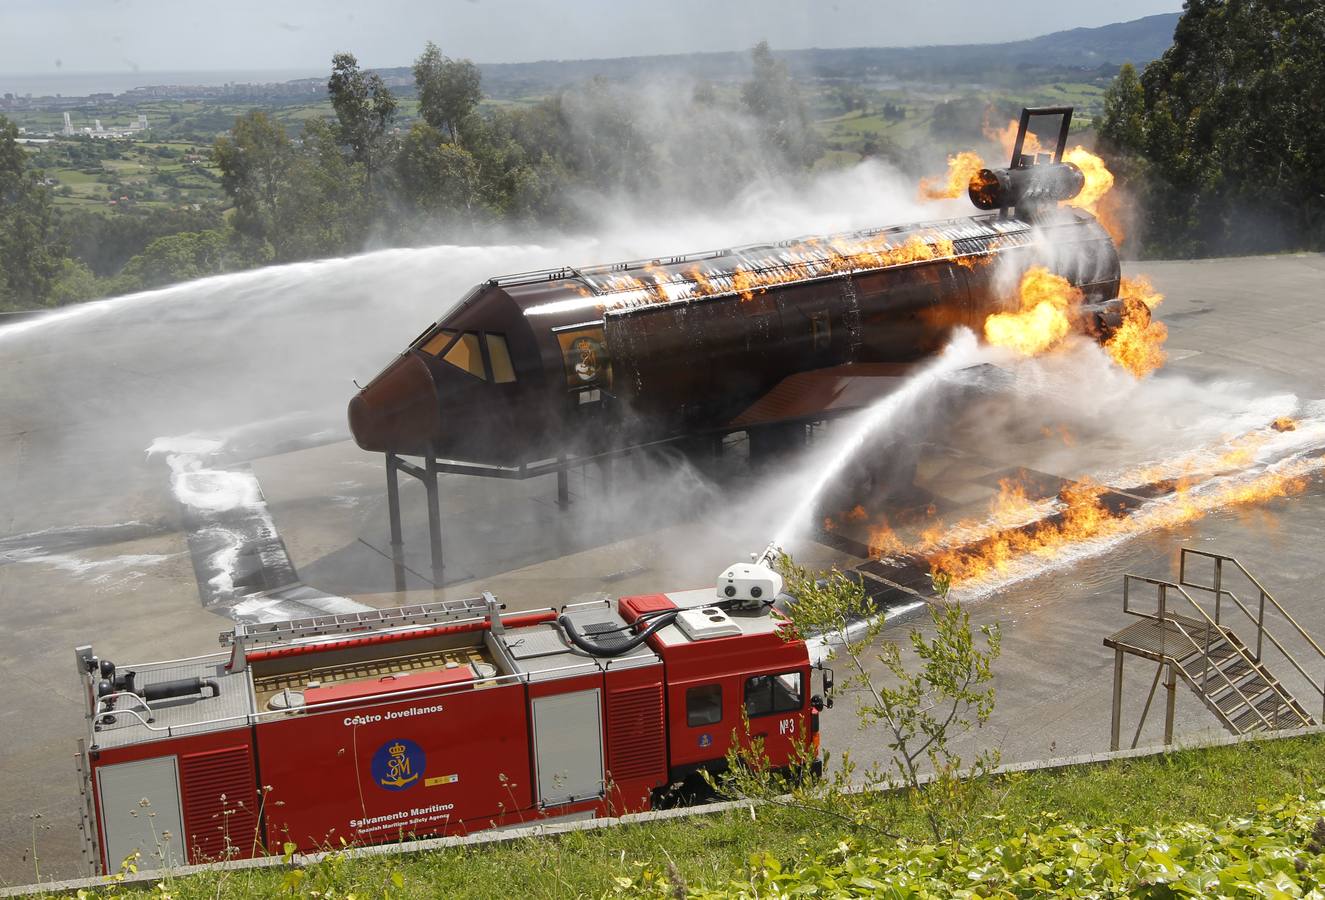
769, 694
704, 705
465, 354
500, 356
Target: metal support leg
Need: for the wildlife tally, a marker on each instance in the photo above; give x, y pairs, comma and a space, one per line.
393, 514
1145, 713
393, 500
1117, 699
563, 484
605, 473
1171, 687
434, 519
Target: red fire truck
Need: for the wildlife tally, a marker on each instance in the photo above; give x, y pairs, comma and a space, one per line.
442, 718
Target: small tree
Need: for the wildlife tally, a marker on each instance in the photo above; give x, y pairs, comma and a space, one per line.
922, 710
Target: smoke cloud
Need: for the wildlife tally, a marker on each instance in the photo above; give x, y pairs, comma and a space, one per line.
264, 360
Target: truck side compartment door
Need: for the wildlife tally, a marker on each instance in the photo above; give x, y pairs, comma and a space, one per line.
140, 813
568, 747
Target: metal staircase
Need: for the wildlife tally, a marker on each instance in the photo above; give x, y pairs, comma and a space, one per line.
1206, 649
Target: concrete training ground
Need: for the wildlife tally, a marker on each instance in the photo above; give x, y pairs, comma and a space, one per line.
76, 416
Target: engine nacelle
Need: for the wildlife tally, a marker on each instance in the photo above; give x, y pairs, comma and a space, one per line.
1035, 186
1100, 320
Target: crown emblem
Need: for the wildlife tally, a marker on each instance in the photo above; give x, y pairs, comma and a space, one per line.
398, 764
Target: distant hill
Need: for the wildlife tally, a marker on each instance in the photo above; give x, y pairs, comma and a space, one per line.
1080, 50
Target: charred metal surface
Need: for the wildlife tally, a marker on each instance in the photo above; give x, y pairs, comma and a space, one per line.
619, 355
1034, 185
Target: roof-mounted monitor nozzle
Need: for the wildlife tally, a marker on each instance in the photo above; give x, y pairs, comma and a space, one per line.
1031, 181
751, 585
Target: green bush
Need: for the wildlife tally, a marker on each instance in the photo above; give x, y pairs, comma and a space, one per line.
1279, 851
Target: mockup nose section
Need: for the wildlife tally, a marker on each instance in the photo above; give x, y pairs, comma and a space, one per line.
398, 411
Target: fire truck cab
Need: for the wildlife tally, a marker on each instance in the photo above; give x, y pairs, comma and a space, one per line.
440, 718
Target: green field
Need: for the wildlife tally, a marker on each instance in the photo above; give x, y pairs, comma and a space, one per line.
91, 174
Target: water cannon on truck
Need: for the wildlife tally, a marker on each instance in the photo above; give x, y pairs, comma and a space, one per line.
436, 719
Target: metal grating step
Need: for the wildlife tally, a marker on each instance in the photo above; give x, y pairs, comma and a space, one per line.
1271, 705
1229, 700
1238, 668
1161, 639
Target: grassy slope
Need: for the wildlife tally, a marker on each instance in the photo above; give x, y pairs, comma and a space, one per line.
1199, 785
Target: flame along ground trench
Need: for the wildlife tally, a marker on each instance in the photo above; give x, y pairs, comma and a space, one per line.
900, 579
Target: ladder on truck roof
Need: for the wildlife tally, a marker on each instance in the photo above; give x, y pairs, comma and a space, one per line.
248, 635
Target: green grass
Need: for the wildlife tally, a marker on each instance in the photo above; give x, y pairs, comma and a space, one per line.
1186, 786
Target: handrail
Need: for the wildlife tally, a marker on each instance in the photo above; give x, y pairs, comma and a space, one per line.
1252, 578
1245, 699
1292, 660
1259, 621
1162, 614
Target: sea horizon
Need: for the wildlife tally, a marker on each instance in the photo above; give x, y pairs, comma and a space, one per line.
81, 84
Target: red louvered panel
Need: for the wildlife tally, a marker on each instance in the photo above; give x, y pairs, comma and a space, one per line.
636, 742
221, 801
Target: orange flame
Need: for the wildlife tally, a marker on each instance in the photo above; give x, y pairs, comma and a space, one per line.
1138, 344
1059, 431
1242, 452
961, 168
1041, 320
1099, 180
884, 542
1010, 506
1084, 517
1006, 137
1284, 423
815, 258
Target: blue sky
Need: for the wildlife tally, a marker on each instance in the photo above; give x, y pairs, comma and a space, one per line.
46, 36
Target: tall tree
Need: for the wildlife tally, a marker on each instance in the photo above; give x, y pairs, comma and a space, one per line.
1232, 133
254, 160
436, 176
1123, 126
449, 89
364, 109
773, 99
326, 209
30, 251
